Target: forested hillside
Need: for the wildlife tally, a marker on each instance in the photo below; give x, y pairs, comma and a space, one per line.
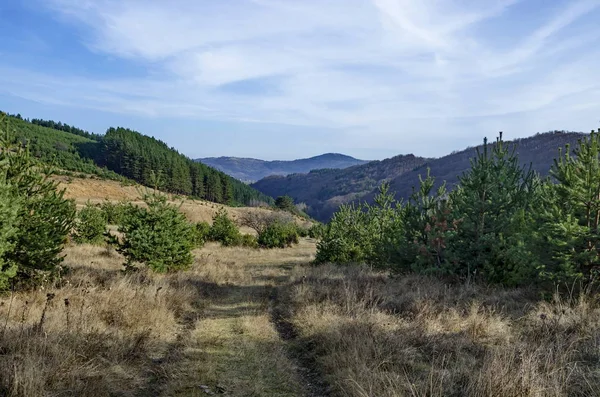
539, 151
123, 153
140, 158
251, 170
64, 150
324, 190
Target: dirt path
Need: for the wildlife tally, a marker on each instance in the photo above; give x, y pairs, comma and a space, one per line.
240, 343
306, 369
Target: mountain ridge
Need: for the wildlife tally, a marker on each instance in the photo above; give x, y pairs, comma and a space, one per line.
249, 169
325, 189
323, 192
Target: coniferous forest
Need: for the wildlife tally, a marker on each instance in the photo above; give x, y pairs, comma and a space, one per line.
123, 153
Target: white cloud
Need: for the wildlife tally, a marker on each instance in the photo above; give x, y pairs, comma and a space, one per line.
376, 66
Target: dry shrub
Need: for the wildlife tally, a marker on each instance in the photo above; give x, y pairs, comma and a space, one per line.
372, 335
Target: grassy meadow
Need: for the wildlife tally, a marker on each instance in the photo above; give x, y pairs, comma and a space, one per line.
247, 322
257, 322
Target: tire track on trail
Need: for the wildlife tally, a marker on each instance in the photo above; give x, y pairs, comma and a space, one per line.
158, 370
307, 369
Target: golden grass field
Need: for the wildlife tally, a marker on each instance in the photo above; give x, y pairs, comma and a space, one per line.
246, 322
84, 190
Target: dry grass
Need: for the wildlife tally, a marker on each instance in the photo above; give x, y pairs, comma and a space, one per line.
414, 336
96, 191
106, 333
210, 330
91, 334
233, 347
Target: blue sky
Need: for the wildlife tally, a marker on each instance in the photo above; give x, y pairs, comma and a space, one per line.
283, 79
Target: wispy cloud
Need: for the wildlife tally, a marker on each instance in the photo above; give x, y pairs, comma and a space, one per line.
371, 67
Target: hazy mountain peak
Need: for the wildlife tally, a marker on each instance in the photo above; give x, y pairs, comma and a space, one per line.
250, 169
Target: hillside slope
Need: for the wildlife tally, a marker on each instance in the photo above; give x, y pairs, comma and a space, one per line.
96, 191
539, 151
251, 170
324, 190
123, 154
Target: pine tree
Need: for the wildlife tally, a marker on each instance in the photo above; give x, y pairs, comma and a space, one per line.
158, 236
570, 224
90, 225
45, 217
224, 229
9, 210
492, 205
420, 244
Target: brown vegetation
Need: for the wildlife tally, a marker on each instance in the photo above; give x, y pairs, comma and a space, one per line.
247, 322
96, 191
417, 336
100, 332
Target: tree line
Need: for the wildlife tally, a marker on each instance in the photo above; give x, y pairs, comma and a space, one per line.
503, 223
59, 126
122, 153
145, 160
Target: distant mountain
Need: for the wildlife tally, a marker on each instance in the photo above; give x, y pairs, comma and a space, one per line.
325, 191
250, 170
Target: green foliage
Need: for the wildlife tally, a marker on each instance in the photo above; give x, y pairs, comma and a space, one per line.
486, 228
158, 236
344, 237
316, 231
493, 205
570, 217
59, 126
9, 210
278, 235
44, 217
90, 225
124, 155
114, 212
224, 229
201, 232
140, 158
302, 231
418, 236
361, 233
65, 150
285, 203
249, 241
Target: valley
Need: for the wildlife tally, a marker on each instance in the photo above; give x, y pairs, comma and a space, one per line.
323, 191
283, 198
251, 170
159, 293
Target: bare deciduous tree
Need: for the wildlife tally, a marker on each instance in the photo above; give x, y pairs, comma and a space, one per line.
259, 220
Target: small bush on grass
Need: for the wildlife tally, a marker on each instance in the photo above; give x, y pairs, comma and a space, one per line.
278, 235
316, 231
302, 231
114, 212
249, 241
158, 236
201, 233
224, 230
90, 225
